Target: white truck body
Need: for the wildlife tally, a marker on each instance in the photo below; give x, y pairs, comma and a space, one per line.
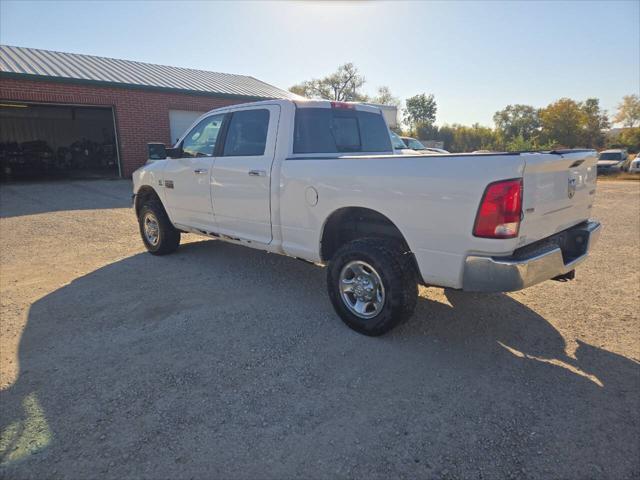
282, 201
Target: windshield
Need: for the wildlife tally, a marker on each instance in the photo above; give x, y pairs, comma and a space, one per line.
415, 144
610, 156
396, 141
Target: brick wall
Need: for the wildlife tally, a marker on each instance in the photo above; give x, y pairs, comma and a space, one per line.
141, 115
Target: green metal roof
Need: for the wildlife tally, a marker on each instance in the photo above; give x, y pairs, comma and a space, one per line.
49, 65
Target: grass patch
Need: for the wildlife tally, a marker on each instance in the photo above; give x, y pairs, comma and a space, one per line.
623, 176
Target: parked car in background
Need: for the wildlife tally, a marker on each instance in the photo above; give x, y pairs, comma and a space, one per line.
399, 147
611, 161
634, 165
316, 180
418, 146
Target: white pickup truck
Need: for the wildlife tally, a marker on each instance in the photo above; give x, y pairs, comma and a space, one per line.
317, 180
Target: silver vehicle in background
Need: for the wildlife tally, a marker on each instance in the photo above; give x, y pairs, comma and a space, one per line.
612, 161
417, 145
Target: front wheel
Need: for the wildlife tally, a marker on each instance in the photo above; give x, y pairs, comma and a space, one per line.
372, 285
159, 236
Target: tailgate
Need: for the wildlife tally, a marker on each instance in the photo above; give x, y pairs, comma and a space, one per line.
559, 190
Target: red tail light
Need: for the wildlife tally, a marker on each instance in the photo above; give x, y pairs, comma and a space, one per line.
348, 106
500, 210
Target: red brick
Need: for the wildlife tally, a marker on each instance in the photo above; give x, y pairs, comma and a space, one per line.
141, 115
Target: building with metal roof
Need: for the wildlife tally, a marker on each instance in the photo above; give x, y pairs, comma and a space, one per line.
66, 102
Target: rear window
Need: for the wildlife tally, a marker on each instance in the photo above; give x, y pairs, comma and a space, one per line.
329, 130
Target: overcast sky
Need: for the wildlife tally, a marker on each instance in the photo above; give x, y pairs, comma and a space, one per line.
475, 57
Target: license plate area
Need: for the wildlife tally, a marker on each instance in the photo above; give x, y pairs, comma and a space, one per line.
573, 243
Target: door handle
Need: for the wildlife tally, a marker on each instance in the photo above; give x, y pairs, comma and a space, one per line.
198, 171
257, 173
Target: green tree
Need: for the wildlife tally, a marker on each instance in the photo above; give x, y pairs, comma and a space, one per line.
385, 97
475, 137
630, 138
595, 122
444, 134
420, 110
517, 121
563, 122
426, 131
344, 85
628, 113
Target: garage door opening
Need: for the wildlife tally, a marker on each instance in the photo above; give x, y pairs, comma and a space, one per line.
39, 141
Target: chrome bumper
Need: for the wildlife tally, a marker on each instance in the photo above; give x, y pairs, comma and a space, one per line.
506, 274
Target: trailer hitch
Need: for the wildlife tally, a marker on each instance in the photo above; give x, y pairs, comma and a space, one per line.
565, 277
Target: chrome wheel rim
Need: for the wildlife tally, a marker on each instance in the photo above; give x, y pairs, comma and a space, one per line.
151, 228
361, 289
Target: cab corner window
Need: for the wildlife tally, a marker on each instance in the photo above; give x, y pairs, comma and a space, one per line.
201, 140
247, 134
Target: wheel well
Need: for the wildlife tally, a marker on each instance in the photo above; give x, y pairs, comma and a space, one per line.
144, 195
351, 223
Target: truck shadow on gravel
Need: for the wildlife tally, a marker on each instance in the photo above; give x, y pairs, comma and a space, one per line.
221, 361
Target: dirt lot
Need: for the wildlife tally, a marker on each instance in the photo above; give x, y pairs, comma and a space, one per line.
220, 361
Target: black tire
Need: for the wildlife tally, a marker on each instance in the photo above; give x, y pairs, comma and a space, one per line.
397, 272
168, 238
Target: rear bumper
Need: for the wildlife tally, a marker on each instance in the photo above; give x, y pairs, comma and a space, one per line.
543, 260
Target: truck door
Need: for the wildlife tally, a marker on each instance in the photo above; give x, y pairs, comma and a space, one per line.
241, 179
187, 186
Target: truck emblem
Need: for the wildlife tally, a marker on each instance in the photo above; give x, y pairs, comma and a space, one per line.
168, 183
571, 191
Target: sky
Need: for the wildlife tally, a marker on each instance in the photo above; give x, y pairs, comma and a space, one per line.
475, 57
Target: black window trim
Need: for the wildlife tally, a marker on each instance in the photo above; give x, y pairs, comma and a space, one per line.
223, 134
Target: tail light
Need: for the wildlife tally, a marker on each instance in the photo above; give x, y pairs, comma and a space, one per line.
500, 210
344, 105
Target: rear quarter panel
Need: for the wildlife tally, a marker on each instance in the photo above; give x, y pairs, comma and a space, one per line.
432, 199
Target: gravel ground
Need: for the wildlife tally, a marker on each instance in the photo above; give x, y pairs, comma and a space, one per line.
222, 361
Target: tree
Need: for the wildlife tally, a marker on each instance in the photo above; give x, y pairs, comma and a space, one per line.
630, 138
420, 110
517, 121
562, 122
385, 97
475, 137
343, 85
595, 122
628, 113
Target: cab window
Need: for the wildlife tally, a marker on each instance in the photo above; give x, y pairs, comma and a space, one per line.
247, 134
201, 140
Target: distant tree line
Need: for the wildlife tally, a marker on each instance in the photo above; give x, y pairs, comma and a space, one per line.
565, 123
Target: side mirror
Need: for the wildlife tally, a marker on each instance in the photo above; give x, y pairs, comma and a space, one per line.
156, 151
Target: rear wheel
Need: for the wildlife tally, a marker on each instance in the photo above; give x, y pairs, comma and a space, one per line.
159, 236
372, 285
